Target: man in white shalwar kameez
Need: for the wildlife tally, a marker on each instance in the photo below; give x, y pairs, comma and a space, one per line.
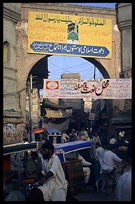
53, 185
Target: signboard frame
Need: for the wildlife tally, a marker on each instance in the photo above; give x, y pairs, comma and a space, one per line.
72, 35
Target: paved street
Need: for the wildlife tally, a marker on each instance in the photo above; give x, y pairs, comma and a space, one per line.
91, 195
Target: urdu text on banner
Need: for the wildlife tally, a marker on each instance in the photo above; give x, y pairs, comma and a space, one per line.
60, 34
88, 88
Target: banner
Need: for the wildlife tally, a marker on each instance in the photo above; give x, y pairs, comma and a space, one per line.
88, 88
60, 34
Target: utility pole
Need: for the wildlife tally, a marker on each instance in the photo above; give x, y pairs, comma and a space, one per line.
94, 72
91, 121
30, 108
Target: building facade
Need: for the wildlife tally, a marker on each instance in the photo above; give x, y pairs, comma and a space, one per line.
12, 118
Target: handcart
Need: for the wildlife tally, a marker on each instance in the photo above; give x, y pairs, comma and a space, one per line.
73, 168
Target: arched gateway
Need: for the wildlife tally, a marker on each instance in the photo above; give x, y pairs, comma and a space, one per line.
36, 63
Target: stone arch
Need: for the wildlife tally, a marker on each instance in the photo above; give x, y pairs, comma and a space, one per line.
40, 70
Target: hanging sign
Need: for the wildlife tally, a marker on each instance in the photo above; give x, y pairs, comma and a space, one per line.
60, 34
88, 88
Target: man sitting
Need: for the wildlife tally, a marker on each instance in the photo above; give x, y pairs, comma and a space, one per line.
110, 160
33, 168
53, 186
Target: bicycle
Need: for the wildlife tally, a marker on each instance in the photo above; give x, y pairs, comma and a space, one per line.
107, 184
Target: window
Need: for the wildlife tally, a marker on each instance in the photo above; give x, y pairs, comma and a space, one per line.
5, 52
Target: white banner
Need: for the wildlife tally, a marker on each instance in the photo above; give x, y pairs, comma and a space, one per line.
88, 88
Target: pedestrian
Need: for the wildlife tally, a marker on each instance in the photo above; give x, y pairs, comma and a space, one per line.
99, 151
65, 137
113, 140
73, 136
85, 132
86, 168
95, 139
123, 188
33, 168
53, 186
110, 160
84, 137
129, 152
45, 135
25, 140
15, 164
25, 154
40, 137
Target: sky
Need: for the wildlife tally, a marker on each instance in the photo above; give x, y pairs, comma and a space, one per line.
57, 65
107, 5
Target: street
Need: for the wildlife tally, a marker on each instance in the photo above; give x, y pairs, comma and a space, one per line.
91, 195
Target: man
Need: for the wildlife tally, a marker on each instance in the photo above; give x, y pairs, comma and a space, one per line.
53, 186
85, 132
84, 137
113, 140
95, 139
64, 136
110, 160
99, 151
86, 169
33, 168
123, 188
45, 135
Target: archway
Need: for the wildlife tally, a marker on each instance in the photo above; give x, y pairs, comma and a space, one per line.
40, 70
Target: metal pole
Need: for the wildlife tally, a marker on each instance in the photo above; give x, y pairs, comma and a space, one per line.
30, 108
94, 72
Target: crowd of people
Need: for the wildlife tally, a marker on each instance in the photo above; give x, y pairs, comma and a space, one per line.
45, 167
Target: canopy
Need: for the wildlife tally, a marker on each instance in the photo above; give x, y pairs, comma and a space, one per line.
49, 104
57, 114
61, 149
52, 130
10, 149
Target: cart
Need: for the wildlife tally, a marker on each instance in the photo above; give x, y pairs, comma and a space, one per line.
73, 168
62, 149
54, 135
7, 173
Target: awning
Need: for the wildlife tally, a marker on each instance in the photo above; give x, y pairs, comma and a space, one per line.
10, 149
62, 149
73, 146
49, 104
38, 130
121, 120
56, 114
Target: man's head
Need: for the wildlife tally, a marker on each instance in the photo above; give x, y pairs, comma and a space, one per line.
97, 144
34, 155
47, 150
96, 134
112, 148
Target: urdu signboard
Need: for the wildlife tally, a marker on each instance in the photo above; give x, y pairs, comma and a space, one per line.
60, 34
88, 88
